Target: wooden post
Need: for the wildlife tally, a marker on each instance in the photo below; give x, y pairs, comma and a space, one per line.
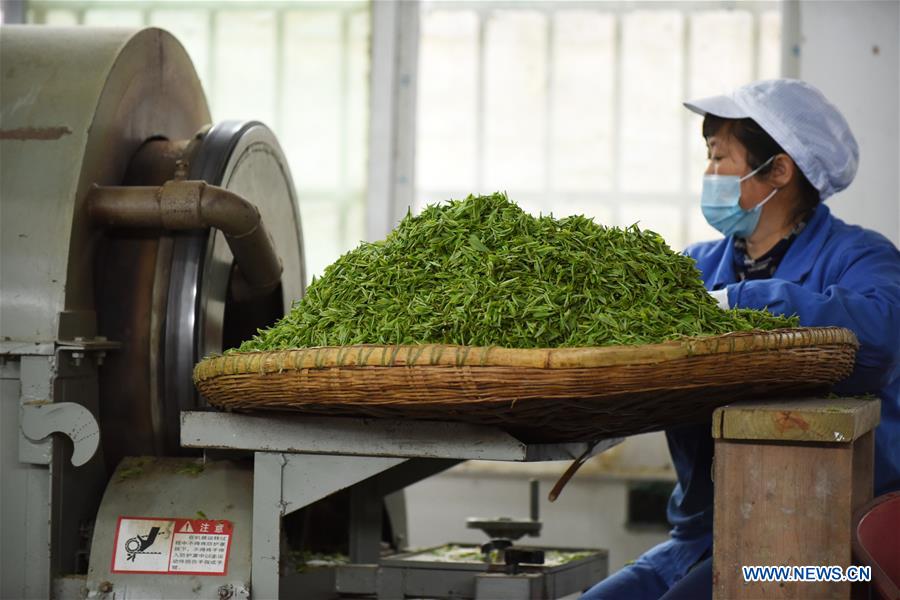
788, 477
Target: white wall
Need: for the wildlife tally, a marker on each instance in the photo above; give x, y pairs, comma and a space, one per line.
850, 49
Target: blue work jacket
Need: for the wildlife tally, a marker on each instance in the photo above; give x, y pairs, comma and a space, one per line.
832, 274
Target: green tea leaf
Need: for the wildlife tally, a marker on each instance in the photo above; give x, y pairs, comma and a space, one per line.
476, 243
481, 271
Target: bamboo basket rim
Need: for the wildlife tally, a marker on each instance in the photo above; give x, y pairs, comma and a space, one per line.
432, 355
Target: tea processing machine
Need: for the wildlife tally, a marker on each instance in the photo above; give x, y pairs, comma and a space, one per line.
299, 460
137, 237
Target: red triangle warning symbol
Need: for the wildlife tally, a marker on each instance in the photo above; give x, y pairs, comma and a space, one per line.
186, 528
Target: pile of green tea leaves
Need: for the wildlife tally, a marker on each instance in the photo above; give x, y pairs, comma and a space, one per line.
482, 272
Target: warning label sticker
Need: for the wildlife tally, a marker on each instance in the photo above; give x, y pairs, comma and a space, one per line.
200, 546
172, 546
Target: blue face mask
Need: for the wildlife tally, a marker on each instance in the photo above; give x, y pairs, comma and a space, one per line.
721, 206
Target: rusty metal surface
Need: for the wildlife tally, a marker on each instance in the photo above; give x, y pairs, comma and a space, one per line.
133, 273
168, 290
185, 205
157, 160
34, 133
126, 269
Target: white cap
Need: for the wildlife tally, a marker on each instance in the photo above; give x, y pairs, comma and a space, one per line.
797, 116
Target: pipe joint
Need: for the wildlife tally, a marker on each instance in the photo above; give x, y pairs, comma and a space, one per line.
180, 205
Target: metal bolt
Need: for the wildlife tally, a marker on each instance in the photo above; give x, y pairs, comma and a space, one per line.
100, 357
76, 358
105, 587
226, 591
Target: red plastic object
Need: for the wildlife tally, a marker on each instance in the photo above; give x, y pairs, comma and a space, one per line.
876, 543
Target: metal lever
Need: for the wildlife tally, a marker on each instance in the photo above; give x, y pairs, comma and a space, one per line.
576, 464
39, 420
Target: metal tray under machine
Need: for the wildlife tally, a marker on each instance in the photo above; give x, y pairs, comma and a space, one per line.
496, 570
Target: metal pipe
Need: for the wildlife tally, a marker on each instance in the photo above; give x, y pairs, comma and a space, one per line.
156, 162
184, 205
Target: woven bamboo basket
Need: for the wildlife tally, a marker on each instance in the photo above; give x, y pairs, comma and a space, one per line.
539, 395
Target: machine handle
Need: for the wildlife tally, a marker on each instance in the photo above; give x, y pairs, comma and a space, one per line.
576, 464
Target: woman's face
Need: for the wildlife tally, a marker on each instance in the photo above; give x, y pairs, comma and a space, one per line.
728, 156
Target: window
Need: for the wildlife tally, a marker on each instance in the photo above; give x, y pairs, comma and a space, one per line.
576, 107
300, 67
570, 107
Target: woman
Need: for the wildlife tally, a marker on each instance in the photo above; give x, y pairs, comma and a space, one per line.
776, 150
